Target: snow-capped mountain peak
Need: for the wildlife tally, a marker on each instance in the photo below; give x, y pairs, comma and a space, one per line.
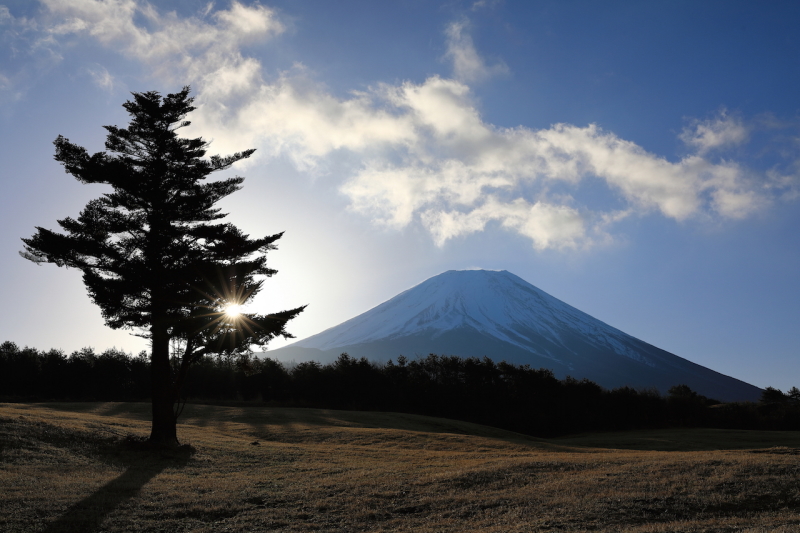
496, 303
476, 313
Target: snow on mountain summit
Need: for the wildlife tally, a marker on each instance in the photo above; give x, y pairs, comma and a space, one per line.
496, 303
495, 314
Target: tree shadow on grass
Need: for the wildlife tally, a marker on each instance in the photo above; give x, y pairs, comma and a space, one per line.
143, 464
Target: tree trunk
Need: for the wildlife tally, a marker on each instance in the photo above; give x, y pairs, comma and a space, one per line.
164, 430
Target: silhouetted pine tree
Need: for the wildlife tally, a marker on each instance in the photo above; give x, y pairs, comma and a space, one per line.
151, 256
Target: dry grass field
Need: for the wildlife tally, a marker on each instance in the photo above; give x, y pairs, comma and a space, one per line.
70, 467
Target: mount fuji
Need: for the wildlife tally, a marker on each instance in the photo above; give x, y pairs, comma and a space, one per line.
476, 313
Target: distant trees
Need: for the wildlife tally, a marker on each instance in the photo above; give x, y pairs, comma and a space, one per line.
687, 406
26, 373
151, 255
771, 395
794, 394
515, 397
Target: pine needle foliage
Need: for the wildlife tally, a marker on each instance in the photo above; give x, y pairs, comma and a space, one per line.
153, 254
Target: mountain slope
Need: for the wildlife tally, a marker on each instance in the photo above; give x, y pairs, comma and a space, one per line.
499, 315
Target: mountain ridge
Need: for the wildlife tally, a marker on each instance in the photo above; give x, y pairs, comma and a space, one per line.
475, 313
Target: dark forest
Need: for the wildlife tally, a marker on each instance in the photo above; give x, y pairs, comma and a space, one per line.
503, 395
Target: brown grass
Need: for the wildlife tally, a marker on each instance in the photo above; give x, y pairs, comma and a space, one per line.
69, 467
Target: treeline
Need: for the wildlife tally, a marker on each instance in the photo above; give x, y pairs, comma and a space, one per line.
515, 397
114, 375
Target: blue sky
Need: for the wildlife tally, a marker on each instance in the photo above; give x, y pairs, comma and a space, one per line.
637, 160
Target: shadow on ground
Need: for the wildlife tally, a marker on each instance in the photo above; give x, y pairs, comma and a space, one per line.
143, 464
688, 440
300, 424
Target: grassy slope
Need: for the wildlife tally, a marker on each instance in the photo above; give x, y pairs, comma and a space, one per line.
65, 467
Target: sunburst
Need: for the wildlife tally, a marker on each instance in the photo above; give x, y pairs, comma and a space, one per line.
233, 310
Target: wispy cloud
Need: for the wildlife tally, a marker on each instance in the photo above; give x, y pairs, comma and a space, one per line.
460, 173
468, 65
173, 47
481, 4
101, 77
427, 155
20, 53
546, 225
423, 153
722, 131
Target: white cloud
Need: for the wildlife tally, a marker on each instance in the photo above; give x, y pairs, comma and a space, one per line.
249, 22
15, 25
423, 153
468, 65
785, 185
101, 77
295, 116
547, 225
459, 173
23, 53
480, 4
173, 47
719, 132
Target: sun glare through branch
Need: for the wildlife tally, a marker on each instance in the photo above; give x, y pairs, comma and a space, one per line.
233, 310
